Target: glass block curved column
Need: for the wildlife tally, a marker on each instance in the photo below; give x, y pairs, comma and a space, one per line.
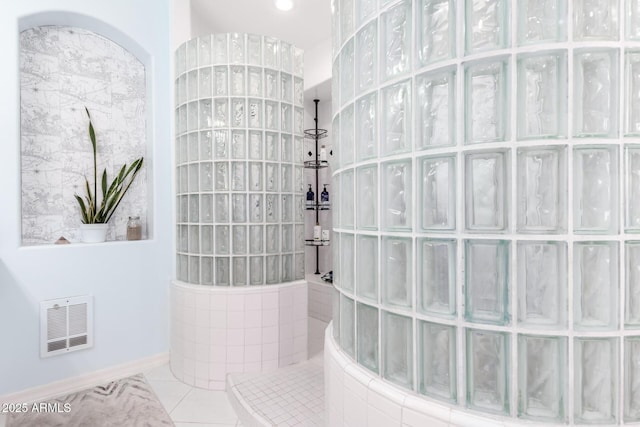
239, 159
488, 155
239, 199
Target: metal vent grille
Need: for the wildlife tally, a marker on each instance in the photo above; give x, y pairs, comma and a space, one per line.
66, 325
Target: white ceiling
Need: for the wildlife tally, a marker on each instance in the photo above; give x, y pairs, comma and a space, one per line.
306, 25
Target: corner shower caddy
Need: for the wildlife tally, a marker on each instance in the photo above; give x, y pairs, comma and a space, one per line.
316, 134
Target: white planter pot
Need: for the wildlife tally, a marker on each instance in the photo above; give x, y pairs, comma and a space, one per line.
93, 233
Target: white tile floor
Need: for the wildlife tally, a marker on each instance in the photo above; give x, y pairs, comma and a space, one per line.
189, 406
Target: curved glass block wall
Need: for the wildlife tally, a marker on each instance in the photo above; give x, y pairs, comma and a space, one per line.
239, 161
489, 194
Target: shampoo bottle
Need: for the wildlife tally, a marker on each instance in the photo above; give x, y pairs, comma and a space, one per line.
317, 233
324, 198
311, 198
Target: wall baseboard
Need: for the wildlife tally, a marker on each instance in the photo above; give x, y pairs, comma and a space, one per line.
84, 381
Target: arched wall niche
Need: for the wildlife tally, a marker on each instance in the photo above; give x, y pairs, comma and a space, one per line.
69, 61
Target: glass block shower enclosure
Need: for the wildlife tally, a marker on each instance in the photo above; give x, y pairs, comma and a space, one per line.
239, 159
493, 148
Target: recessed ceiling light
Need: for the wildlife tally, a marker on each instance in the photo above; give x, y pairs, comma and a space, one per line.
284, 4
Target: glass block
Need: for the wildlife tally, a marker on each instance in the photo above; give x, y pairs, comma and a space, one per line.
487, 281
632, 88
272, 239
183, 119
335, 253
486, 25
397, 349
272, 269
239, 239
206, 239
542, 278
194, 239
238, 144
632, 285
221, 144
220, 113
347, 257
206, 119
271, 176
541, 21
254, 49
287, 238
595, 380
194, 208
486, 102
632, 24
397, 271
367, 321
184, 179
335, 84
206, 271
255, 145
194, 172
192, 116
285, 56
632, 379
347, 15
237, 80
221, 172
299, 237
285, 114
255, 176
335, 312
595, 280
364, 9
299, 209
485, 194
182, 90
238, 113
347, 73
298, 61
335, 130
220, 81
286, 87
204, 83
437, 184
256, 240
287, 178
256, 270
595, 195
220, 50
222, 271
436, 284
396, 195
435, 35
271, 84
222, 240
287, 208
298, 120
367, 267
542, 378
396, 40
238, 176
239, 271
183, 268
192, 53
255, 208
236, 48
437, 361
192, 85
206, 208
396, 118
183, 238
595, 93
180, 59
367, 195
271, 115
254, 81
222, 208
238, 207
194, 270
542, 96
347, 135
347, 325
347, 208
298, 91
287, 147
287, 268
595, 20
488, 370
271, 52
366, 125
255, 113
436, 103
271, 208
366, 57
542, 189
206, 149
184, 209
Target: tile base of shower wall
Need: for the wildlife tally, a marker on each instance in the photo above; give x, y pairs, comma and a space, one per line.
290, 396
320, 293
356, 397
216, 331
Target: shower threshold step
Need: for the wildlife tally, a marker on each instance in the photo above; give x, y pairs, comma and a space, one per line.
289, 396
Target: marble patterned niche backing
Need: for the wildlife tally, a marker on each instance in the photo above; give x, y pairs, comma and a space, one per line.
62, 70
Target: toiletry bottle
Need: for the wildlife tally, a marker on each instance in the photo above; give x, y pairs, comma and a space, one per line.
311, 198
324, 198
325, 236
317, 233
134, 228
323, 154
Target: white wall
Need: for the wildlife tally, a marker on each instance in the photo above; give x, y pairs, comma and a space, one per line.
129, 280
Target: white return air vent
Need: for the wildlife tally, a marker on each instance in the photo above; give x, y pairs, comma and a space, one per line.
66, 325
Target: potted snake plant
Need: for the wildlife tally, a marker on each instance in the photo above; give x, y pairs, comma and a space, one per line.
95, 216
